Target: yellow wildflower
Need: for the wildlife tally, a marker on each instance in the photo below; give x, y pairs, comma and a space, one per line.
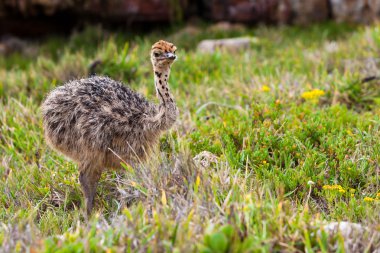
368, 199
265, 88
326, 187
313, 94
18, 246
352, 195
163, 198
198, 181
264, 162
336, 187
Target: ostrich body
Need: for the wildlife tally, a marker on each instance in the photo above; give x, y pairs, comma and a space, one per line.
98, 122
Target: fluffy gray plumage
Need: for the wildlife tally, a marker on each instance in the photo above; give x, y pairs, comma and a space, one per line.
99, 122
94, 118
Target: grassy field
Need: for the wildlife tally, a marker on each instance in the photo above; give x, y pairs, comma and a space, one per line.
285, 137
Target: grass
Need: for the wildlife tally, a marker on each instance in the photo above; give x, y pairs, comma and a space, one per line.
285, 135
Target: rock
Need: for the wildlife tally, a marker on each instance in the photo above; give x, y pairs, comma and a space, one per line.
248, 11
10, 44
41, 17
241, 10
293, 11
46, 16
188, 31
357, 238
282, 14
132, 10
355, 11
226, 26
310, 11
230, 45
147, 10
36, 7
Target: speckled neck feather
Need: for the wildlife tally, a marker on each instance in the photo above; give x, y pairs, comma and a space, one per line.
161, 77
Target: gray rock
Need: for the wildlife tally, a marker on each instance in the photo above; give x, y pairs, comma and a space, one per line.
230, 45
355, 11
310, 11
357, 238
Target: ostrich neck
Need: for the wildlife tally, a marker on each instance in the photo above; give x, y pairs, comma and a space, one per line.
161, 77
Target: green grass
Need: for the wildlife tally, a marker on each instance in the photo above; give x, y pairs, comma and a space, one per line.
267, 142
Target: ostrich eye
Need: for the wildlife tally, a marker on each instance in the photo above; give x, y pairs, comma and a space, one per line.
156, 54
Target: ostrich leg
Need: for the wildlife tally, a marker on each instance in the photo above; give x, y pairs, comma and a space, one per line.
88, 177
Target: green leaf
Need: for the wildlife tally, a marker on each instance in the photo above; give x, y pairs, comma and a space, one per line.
228, 231
218, 242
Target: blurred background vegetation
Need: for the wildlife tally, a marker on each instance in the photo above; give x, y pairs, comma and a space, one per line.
278, 137
38, 17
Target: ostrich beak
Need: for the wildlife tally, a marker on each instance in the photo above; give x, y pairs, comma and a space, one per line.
170, 56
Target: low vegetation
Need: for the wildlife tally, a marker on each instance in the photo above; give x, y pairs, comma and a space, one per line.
272, 143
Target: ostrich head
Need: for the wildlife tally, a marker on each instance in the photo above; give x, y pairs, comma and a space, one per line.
163, 54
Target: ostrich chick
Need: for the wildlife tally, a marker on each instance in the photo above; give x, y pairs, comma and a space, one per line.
98, 122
